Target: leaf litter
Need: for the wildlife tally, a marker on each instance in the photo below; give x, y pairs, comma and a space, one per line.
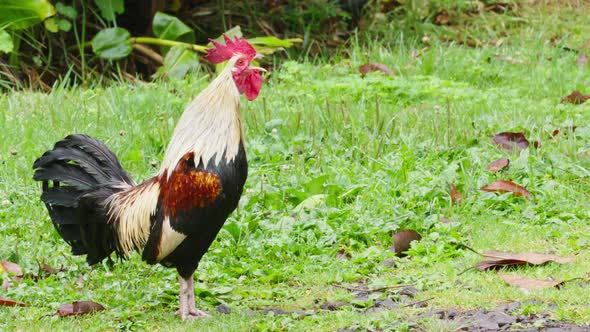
498, 165
375, 66
79, 308
4, 302
494, 259
456, 196
510, 141
505, 186
402, 241
529, 283
14, 271
576, 98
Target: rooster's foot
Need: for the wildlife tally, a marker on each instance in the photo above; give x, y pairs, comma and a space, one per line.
192, 314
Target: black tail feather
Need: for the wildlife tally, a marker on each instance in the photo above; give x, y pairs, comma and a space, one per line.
79, 174
99, 151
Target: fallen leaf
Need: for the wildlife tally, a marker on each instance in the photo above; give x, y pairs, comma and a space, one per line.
529, 257
576, 98
342, 254
565, 131
9, 267
529, 283
509, 140
4, 302
498, 165
15, 273
402, 240
495, 259
456, 197
79, 308
582, 61
332, 306
505, 186
442, 17
47, 269
375, 66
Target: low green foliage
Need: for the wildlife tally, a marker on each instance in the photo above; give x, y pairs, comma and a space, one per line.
336, 162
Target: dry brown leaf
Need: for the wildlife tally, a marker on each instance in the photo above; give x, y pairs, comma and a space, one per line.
375, 66
576, 98
342, 254
529, 257
509, 140
79, 308
505, 186
495, 259
529, 283
492, 264
498, 165
15, 272
4, 302
564, 131
9, 267
456, 197
442, 17
402, 241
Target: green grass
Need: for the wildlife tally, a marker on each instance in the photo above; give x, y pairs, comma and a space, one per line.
336, 161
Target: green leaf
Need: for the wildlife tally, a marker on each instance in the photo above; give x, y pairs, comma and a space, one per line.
51, 25
65, 10
64, 25
110, 8
6, 45
21, 14
274, 42
171, 28
112, 43
269, 45
178, 62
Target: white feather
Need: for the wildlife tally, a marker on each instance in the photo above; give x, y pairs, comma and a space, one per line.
210, 125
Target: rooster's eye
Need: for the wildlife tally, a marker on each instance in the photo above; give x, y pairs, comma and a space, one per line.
240, 62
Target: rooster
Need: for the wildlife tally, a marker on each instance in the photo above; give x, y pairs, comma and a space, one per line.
173, 217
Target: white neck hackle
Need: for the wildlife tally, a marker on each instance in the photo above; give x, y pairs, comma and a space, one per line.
210, 126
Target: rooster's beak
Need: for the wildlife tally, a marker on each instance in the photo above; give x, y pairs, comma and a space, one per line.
258, 69
259, 56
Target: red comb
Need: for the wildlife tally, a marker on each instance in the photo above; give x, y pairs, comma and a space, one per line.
220, 53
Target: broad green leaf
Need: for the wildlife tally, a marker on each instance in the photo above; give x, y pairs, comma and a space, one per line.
112, 43
64, 25
51, 25
310, 203
171, 28
110, 8
21, 14
67, 11
6, 45
178, 62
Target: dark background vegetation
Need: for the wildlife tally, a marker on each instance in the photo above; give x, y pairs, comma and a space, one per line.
42, 57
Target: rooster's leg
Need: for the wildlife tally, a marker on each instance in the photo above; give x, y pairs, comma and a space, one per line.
187, 308
192, 309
